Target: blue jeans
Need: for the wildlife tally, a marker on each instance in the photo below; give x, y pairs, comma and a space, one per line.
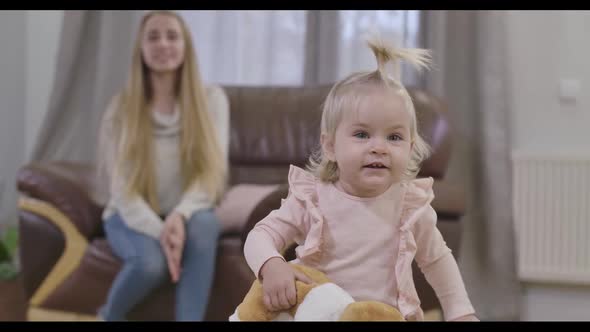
145, 267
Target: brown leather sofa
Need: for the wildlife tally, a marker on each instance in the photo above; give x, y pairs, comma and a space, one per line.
67, 265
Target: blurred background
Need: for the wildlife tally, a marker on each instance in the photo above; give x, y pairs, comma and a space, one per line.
515, 83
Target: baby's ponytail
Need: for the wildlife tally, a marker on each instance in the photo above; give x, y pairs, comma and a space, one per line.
386, 53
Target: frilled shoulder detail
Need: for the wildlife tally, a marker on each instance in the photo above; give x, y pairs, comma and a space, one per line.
417, 197
303, 187
302, 184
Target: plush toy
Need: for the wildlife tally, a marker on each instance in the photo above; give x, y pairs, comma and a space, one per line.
320, 301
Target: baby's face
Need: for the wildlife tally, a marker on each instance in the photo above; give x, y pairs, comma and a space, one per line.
372, 144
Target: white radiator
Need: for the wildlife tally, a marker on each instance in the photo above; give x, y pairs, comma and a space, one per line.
551, 204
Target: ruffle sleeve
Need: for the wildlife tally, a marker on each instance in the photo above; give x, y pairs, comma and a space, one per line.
417, 196
303, 187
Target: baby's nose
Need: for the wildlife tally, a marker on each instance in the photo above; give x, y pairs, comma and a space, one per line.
378, 146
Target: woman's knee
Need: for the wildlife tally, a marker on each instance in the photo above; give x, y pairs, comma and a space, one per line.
150, 264
203, 225
114, 225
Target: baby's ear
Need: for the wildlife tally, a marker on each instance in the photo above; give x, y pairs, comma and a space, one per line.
327, 146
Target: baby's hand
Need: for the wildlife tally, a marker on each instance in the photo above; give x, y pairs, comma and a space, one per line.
467, 318
278, 284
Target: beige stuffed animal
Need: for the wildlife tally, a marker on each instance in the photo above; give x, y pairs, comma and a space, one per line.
320, 301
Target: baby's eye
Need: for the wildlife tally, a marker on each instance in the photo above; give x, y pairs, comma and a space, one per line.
361, 134
395, 137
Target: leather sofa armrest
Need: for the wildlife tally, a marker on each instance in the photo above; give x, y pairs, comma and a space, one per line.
271, 202
41, 243
449, 200
75, 244
57, 185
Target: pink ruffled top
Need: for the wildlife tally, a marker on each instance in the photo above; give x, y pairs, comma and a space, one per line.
364, 245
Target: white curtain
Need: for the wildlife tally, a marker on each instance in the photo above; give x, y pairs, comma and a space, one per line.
256, 47
249, 47
399, 26
470, 48
92, 64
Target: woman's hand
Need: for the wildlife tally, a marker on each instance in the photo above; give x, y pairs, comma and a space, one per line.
278, 284
172, 241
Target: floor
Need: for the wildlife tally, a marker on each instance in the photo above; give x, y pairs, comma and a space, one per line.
555, 302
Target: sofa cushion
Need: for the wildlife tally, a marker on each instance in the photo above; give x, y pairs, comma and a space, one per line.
238, 203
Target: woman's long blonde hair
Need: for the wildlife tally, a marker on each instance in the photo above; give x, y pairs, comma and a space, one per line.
347, 94
201, 157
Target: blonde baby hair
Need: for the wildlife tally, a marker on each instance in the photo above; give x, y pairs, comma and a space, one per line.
347, 94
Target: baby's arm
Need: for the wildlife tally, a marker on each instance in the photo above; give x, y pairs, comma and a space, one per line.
273, 233
440, 269
262, 247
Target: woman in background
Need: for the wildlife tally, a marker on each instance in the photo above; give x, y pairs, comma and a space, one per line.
163, 146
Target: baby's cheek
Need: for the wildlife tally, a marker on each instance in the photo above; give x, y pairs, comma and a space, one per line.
399, 164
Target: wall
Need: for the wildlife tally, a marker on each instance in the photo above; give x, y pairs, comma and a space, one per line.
13, 38
545, 47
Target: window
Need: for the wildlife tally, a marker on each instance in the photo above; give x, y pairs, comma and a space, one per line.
399, 26
252, 47
256, 47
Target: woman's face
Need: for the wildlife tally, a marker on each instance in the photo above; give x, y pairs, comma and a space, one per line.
162, 44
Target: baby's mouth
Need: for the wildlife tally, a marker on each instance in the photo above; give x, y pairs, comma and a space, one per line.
375, 165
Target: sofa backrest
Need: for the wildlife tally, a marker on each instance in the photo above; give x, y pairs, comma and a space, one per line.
273, 127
